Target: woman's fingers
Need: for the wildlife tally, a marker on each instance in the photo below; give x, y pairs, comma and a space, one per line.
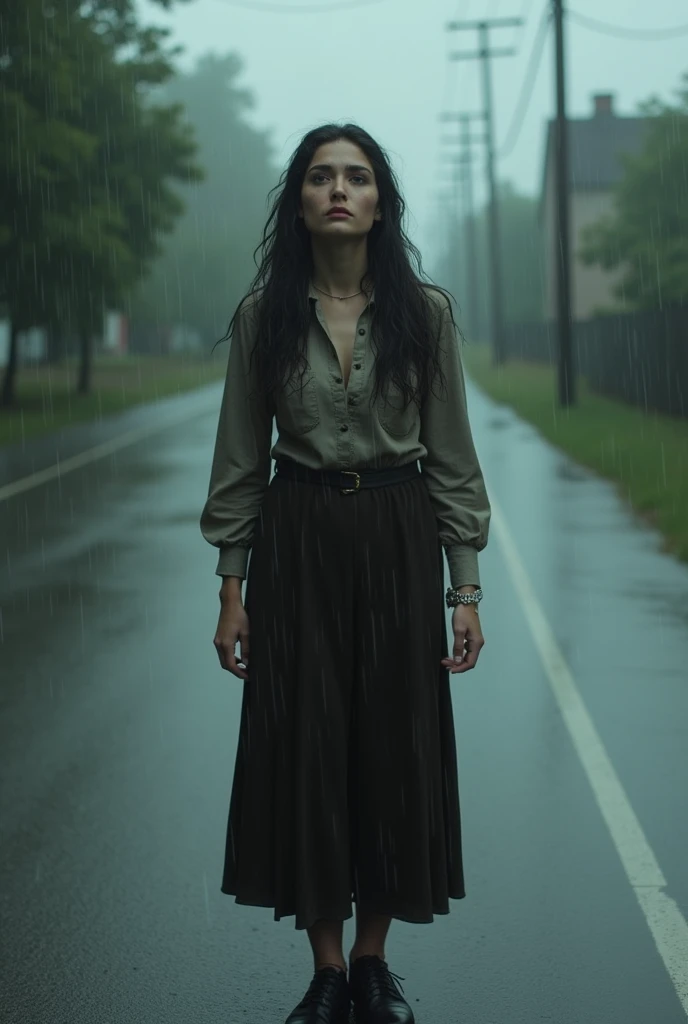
468, 642
232, 628
468, 637
236, 668
459, 644
225, 643
473, 646
228, 660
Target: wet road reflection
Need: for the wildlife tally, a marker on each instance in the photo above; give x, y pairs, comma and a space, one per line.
119, 732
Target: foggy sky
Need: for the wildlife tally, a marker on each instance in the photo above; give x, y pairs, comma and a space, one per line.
386, 67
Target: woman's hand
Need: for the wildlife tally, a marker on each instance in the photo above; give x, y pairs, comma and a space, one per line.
232, 628
468, 639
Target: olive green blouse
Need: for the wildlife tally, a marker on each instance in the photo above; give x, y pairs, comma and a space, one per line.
325, 425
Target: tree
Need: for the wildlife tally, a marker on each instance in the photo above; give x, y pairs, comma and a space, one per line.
207, 261
85, 163
38, 152
647, 234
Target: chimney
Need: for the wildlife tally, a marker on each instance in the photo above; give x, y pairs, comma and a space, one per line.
603, 104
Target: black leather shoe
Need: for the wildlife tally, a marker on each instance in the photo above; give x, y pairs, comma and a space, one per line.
327, 1000
376, 996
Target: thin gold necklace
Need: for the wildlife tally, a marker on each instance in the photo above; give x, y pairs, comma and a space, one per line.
340, 297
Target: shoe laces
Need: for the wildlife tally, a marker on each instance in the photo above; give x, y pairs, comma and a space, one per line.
378, 978
322, 990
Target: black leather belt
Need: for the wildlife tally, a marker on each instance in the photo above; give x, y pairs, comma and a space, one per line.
347, 480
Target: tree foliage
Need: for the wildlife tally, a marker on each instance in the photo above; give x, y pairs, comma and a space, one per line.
207, 261
646, 236
86, 162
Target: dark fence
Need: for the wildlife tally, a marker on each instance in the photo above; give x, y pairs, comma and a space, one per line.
639, 358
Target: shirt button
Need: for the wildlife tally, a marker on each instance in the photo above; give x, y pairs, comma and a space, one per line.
357, 366
361, 330
338, 380
344, 428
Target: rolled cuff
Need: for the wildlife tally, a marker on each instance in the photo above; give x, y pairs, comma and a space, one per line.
232, 562
463, 565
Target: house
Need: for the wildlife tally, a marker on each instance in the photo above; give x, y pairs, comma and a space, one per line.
595, 166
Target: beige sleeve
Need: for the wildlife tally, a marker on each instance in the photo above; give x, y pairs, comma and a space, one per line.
451, 469
241, 462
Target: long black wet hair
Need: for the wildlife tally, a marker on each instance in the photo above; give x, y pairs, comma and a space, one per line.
403, 331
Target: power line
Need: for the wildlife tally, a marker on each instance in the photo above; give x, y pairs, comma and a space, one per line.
626, 33
485, 55
525, 10
280, 8
528, 83
524, 17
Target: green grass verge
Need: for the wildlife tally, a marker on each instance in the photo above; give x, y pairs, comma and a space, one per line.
644, 453
46, 398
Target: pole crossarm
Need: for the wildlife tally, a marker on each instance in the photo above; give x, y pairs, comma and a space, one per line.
484, 53
458, 26
475, 54
454, 116
466, 142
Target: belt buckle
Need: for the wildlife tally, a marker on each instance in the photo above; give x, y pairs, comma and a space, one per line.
352, 490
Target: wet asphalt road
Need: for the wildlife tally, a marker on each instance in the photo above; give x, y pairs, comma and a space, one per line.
119, 730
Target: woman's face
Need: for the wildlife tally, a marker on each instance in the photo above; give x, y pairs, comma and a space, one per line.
339, 174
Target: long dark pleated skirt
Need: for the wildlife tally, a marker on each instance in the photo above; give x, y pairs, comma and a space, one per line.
346, 783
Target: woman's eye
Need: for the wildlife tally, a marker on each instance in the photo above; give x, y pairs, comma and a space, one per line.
315, 177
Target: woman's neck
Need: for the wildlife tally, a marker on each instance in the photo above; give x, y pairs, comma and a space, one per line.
339, 271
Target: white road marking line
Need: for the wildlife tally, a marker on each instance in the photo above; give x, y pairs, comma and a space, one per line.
60, 469
665, 921
664, 918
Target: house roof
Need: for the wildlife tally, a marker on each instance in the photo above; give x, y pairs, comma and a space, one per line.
595, 148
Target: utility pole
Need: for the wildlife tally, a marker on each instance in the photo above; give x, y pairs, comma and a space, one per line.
463, 175
566, 379
484, 53
455, 244
467, 222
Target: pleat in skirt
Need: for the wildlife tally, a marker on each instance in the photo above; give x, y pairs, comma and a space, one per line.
345, 785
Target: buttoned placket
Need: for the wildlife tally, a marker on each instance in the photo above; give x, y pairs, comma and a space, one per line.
345, 397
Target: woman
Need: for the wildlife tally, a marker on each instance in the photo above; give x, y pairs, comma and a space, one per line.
345, 785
